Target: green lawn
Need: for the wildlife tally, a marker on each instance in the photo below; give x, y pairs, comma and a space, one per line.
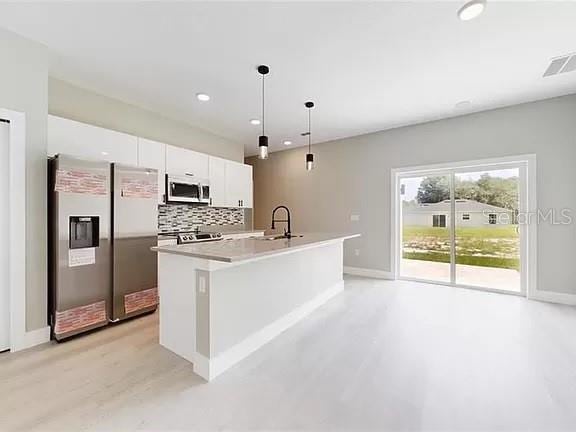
489, 246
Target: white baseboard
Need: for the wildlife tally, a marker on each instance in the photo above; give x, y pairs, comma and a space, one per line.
201, 367
31, 339
554, 297
545, 296
211, 368
378, 274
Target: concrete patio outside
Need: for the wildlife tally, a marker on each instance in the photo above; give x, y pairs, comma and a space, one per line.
487, 277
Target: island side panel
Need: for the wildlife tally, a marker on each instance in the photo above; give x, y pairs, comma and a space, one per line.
203, 313
177, 279
252, 300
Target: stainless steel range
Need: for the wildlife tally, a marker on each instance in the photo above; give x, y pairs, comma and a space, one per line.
197, 237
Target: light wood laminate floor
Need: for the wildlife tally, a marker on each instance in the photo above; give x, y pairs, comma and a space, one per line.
384, 355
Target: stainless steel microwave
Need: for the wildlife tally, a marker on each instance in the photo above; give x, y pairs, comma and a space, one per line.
187, 189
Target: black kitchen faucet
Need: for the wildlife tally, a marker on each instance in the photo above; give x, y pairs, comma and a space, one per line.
288, 232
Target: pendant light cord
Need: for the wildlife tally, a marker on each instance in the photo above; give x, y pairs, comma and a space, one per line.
309, 131
263, 110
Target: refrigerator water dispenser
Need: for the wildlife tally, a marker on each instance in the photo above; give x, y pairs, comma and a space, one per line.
84, 232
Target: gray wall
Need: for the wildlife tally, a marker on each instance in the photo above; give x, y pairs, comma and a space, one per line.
353, 177
75, 103
23, 88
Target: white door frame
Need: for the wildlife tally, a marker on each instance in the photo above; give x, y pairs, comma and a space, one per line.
528, 232
17, 228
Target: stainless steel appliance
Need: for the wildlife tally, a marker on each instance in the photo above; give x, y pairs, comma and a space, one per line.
197, 237
187, 189
102, 222
134, 232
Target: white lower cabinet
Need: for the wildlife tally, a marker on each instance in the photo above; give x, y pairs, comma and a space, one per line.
82, 140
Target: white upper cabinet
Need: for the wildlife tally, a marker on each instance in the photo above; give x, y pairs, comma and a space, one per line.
247, 187
86, 141
152, 154
230, 182
181, 161
218, 182
238, 184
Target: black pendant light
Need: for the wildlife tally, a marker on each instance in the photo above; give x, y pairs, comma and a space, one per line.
309, 155
263, 139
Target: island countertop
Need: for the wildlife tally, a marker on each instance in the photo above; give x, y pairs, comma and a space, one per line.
249, 248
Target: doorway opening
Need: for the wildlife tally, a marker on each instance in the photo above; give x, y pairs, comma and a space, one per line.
459, 225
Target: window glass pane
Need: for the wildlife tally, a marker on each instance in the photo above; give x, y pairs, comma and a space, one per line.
425, 231
487, 241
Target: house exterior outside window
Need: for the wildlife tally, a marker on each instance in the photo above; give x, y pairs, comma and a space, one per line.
469, 213
439, 220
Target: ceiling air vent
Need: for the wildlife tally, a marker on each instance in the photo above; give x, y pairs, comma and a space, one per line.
558, 65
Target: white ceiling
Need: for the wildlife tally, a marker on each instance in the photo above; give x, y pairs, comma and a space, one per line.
368, 65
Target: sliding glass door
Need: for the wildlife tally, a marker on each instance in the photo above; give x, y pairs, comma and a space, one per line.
426, 220
487, 235
460, 227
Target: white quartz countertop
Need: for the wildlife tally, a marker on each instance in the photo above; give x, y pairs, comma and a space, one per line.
224, 232
250, 248
241, 232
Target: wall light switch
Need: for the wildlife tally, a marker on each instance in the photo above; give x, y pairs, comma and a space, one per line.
355, 218
201, 285
357, 252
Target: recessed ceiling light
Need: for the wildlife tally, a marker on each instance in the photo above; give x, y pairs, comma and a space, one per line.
203, 97
471, 10
287, 142
463, 105
255, 122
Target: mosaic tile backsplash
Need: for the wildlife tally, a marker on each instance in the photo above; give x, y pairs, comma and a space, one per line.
184, 217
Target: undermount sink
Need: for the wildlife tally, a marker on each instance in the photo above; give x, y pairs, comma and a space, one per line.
277, 237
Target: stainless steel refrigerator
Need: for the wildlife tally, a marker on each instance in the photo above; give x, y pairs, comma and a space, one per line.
103, 220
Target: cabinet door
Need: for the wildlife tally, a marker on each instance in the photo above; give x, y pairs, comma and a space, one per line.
217, 172
152, 154
181, 161
233, 188
91, 142
238, 184
246, 186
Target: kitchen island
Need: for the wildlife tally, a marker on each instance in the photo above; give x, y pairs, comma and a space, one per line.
220, 301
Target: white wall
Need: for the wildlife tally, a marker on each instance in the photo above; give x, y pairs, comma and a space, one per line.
4, 237
68, 101
24, 88
353, 177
